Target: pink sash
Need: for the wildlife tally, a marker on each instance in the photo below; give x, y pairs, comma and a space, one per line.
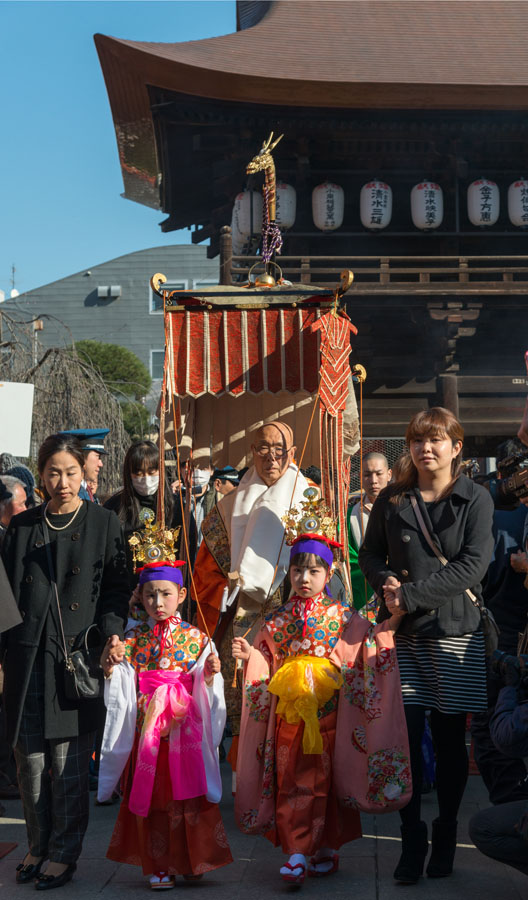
170, 706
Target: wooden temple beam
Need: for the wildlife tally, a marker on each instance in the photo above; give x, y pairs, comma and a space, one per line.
448, 393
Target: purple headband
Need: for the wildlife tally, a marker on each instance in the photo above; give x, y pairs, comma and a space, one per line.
318, 548
161, 573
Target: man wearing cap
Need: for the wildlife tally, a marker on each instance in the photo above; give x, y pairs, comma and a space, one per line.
243, 559
92, 441
225, 480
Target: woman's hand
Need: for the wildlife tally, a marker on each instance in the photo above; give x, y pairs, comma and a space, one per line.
240, 648
113, 653
519, 562
211, 668
392, 594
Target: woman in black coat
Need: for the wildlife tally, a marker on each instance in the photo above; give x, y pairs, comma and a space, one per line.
49, 731
439, 643
140, 491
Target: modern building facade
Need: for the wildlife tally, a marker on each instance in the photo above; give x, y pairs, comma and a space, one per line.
113, 302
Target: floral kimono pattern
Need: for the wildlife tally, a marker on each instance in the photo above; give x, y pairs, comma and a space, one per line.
276, 783
177, 836
142, 650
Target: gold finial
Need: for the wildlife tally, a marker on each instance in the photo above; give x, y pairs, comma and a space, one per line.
313, 517
263, 158
156, 281
154, 542
359, 372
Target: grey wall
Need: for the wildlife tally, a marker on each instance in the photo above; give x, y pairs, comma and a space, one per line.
78, 312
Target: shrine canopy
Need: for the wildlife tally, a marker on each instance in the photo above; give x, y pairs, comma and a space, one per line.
239, 357
231, 340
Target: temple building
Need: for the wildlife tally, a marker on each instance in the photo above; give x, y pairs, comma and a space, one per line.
404, 158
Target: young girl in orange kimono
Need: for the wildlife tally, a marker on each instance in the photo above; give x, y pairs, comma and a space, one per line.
313, 749
166, 738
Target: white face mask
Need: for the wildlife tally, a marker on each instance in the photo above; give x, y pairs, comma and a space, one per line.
145, 484
201, 477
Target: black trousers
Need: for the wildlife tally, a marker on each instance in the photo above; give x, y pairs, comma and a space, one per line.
494, 832
449, 740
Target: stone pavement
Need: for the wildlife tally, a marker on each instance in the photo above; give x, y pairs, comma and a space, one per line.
365, 866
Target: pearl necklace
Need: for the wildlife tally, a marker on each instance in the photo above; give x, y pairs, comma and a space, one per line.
62, 527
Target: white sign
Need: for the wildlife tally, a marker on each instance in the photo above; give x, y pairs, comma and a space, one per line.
16, 413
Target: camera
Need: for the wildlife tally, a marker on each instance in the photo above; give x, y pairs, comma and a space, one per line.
512, 486
499, 661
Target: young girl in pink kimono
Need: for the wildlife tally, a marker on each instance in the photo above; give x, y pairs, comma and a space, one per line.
313, 746
165, 719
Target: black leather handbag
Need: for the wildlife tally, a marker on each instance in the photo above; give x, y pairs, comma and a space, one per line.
83, 676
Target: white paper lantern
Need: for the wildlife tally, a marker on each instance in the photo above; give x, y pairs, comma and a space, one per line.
241, 218
375, 205
237, 240
328, 206
427, 205
286, 206
483, 202
518, 203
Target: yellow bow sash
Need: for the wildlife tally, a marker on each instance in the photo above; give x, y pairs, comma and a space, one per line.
303, 685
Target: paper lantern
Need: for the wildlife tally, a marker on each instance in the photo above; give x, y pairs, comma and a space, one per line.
241, 218
238, 242
286, 206
518, 202
427, 205
483, 202
328, 206
375, 205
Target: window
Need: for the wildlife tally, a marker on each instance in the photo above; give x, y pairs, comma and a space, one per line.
204, 282
156, 302
157, 358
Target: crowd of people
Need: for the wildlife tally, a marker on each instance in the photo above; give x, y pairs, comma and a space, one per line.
238, 616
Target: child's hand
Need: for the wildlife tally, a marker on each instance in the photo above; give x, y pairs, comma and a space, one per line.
392, 594
395, 619
113, 653
240, 648
211, 668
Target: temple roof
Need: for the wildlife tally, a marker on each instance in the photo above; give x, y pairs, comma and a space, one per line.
353, 54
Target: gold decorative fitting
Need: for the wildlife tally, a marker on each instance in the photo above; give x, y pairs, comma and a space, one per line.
154, 542
156, 281
312, 517
265, 279
359, 372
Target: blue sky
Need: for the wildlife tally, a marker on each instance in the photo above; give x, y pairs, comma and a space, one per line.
61, 209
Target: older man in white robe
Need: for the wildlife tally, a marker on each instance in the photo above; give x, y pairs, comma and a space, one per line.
243, 559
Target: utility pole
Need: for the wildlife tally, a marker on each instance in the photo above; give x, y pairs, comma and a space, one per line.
38, 325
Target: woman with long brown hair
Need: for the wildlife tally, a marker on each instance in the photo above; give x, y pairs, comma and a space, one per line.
440, 644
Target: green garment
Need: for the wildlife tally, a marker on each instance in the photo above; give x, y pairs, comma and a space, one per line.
361, 591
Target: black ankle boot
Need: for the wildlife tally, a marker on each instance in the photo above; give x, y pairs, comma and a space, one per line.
443, 844
414, 850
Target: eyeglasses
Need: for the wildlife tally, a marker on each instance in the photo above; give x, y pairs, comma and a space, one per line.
276, 450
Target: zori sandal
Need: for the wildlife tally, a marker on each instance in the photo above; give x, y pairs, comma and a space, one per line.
162, 881
314, 872
289, 877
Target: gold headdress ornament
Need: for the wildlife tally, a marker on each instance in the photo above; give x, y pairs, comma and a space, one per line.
154, 543
313, 518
